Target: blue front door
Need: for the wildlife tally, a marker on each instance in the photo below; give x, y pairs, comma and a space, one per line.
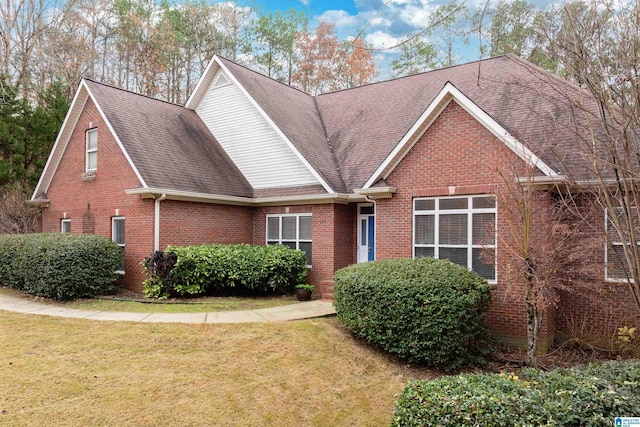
371, 237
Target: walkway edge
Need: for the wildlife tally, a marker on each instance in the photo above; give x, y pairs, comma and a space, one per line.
303, 310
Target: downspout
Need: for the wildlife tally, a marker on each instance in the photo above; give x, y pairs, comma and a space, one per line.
156, 221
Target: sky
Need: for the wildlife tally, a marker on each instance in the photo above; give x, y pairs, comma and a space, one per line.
386, 22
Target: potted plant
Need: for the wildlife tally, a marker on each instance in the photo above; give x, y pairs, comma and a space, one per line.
303, 292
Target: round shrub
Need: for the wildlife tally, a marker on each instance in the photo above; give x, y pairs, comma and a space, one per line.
59, 266
424, 310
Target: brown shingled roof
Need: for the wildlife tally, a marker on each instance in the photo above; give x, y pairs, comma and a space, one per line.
366, 123
169, 145
346, 135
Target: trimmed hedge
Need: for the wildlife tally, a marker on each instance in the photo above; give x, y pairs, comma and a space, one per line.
592, 395
207, 269
424, 310
59, 266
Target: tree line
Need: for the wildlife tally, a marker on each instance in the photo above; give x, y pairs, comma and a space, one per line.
161, 49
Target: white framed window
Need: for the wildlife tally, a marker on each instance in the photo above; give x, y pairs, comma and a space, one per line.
117, 235
615, 263
292, 230
460, 229
91, 159
65, 226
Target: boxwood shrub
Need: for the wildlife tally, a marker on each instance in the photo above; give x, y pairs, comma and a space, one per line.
209, 269
59, 266
424, 310
592, 395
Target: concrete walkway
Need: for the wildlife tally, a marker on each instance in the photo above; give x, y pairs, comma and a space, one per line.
303, 310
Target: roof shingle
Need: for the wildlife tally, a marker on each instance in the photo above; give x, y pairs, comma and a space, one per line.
169, 145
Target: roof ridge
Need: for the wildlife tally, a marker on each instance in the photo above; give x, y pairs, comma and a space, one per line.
131, 92
414, 75
264, 76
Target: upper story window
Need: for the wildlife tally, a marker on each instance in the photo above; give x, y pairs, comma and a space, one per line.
292, 230
460, 229
619, 241
91, 160
65, 226
117, 235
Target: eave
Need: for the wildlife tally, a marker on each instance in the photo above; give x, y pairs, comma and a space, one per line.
186, 196
376, 193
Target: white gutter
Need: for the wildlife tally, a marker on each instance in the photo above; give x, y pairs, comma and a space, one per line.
156, 222
152, 193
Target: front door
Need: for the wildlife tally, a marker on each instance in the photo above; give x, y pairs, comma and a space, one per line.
366, 232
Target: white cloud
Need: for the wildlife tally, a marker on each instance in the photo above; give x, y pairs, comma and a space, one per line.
381, 40
305, 2
340, 18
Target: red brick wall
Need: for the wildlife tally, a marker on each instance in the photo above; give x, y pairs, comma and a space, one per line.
188, 223
455, 156
332, 236
591, 308
105, 195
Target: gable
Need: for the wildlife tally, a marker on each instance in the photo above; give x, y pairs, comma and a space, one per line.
76, 109
70, 185
254, 144
456, 152
450, 93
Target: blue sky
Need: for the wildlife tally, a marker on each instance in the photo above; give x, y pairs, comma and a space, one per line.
386, 21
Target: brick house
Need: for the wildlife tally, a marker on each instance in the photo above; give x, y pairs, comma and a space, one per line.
400, 168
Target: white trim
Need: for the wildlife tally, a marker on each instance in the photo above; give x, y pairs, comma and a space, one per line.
275, 127
156, 222
65, 221
89, 151
448, 93
310, 199
359, 217
608, 245
114, 219
201, 86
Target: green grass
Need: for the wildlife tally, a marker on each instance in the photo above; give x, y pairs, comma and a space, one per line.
130, 303
71, 372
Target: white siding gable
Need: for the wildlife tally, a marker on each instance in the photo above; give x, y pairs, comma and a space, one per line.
257, 149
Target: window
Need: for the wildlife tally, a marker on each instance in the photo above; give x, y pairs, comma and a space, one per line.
117, 235
91, 161
65, 226
460, 229
616, 266
293, 231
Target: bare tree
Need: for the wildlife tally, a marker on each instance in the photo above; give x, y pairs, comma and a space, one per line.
17, 216
600, 50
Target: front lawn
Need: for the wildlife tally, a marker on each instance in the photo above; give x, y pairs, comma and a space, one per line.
58, 371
